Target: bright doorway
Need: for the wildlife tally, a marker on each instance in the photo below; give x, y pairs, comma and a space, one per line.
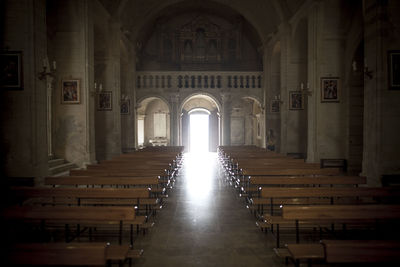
199, 131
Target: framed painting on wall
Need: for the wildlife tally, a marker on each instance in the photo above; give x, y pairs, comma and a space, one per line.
70, 91
275, 106
330, 89
296, 100
394, 69
104, 100
125, 106
11, 70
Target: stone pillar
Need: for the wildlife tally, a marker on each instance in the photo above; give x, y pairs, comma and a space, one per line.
108, 122
284, 33
49, 83
174, 118
314, 33
213, 130
226, 119
23, 138
374, 87
185, 130
266, 87
128, 121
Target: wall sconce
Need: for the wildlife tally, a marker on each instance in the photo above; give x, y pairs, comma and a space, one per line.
367, 72
47, 71
124, 97
306, 91
100, 87
278, 98
97, 90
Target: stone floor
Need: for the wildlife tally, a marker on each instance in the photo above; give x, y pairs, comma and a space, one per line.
205, 223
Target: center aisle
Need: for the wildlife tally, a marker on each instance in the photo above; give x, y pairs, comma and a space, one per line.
204, 223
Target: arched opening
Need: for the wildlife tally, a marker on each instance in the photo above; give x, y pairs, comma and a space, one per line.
247, 122
200, 123
199, 130
153, 122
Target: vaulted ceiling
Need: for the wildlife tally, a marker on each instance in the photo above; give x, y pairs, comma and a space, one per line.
263, 16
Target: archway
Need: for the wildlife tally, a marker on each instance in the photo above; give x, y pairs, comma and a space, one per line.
153, 121
199, 121
247, 122
200, 104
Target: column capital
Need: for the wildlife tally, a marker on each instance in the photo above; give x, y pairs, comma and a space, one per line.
174, 98
225, 96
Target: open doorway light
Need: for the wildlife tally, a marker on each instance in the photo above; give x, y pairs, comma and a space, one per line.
199, 133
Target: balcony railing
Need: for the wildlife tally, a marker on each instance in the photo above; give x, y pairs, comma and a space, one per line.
198, 80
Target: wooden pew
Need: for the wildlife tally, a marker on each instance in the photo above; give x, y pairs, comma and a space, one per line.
256, 182
253, 188
361, 251
68, 254
339, 213
150, 181
157, 186
289, 198
133, 197
118, 173
291, 172
346, 251
86, 215
242, 178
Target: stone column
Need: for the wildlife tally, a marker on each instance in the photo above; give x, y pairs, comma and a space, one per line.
174, 118
226, 119
185, 130
375, 35
213, 131
266, 87
314, 33
49, 82
284, 33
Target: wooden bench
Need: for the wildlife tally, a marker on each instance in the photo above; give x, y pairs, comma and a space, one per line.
150, 181
137, 198
291, 195
340, 213
118, 173
309, 252
68, 254
318, 217
291, 172
157, 192
255, 183
346, 251
361, 251
79, 215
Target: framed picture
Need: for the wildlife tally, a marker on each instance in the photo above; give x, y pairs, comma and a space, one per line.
330, 89
125, 106
275, 106
11, 70
105, 100
394, 69
296, 100
70, 91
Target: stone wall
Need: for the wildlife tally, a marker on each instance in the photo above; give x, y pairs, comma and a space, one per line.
23, 134
70, 36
